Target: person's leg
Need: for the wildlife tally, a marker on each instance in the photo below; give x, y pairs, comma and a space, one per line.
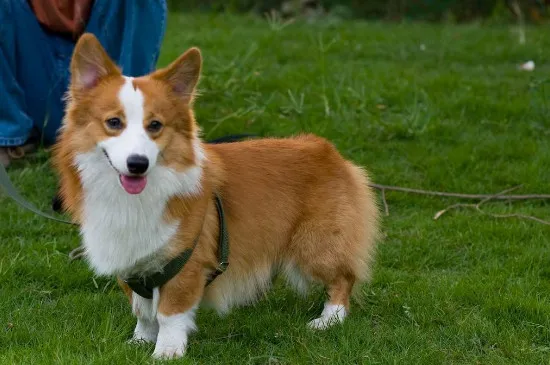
34, 66
130, 31
15, 122
27, 68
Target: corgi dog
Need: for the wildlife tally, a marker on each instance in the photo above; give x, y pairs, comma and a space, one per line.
143, 188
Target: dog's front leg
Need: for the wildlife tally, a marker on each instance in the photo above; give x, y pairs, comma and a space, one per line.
179, 300
147, 327
145, 311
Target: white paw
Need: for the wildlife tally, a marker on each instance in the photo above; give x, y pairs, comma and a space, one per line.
323, 323
173, 334
145, 332
141, 339
332, 314
168, 352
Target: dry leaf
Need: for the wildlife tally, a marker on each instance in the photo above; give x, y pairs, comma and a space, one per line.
527, 66
439, 214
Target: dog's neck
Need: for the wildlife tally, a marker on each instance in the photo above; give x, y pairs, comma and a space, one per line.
128, 234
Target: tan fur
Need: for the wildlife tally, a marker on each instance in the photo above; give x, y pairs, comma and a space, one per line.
293, 205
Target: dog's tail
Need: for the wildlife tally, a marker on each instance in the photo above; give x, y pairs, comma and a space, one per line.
371, 235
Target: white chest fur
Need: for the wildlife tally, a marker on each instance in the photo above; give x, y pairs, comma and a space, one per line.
123, 233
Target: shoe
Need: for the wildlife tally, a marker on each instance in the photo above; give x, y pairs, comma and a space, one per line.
18, 152
7, 154
4, 157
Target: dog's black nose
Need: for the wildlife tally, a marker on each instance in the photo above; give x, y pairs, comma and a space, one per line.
137, 164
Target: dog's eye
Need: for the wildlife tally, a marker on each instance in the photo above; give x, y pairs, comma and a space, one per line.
114, 123
154, 126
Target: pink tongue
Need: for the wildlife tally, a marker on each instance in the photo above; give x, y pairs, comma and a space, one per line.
133, 184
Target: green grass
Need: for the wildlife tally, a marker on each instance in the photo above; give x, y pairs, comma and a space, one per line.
457, 116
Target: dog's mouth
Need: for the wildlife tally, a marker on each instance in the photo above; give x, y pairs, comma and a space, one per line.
132, 184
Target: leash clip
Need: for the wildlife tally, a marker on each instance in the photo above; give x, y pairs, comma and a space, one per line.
222, 266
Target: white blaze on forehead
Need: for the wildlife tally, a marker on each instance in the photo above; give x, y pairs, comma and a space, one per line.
131, 99
134, 139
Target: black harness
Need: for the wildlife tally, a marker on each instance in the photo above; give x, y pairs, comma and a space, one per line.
144, 286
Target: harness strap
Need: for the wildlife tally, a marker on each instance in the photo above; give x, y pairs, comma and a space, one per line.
144, 285
223, 243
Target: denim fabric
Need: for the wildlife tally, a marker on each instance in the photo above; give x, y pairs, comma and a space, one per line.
34, 63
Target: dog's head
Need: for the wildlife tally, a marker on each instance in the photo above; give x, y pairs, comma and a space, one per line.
131, 125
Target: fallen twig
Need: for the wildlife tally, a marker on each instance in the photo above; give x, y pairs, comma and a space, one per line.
77, 253
520, 216
483, 198
475, 206
460, 195
386, 208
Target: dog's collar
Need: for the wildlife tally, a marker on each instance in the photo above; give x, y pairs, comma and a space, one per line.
143, 286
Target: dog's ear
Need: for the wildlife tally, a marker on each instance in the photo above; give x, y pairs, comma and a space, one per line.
183, 74
90, 63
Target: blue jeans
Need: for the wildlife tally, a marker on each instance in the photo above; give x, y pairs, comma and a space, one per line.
34, 63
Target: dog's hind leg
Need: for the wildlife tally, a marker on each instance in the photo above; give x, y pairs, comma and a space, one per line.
337, 306
330, 252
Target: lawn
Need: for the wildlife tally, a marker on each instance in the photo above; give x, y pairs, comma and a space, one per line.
438, 107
